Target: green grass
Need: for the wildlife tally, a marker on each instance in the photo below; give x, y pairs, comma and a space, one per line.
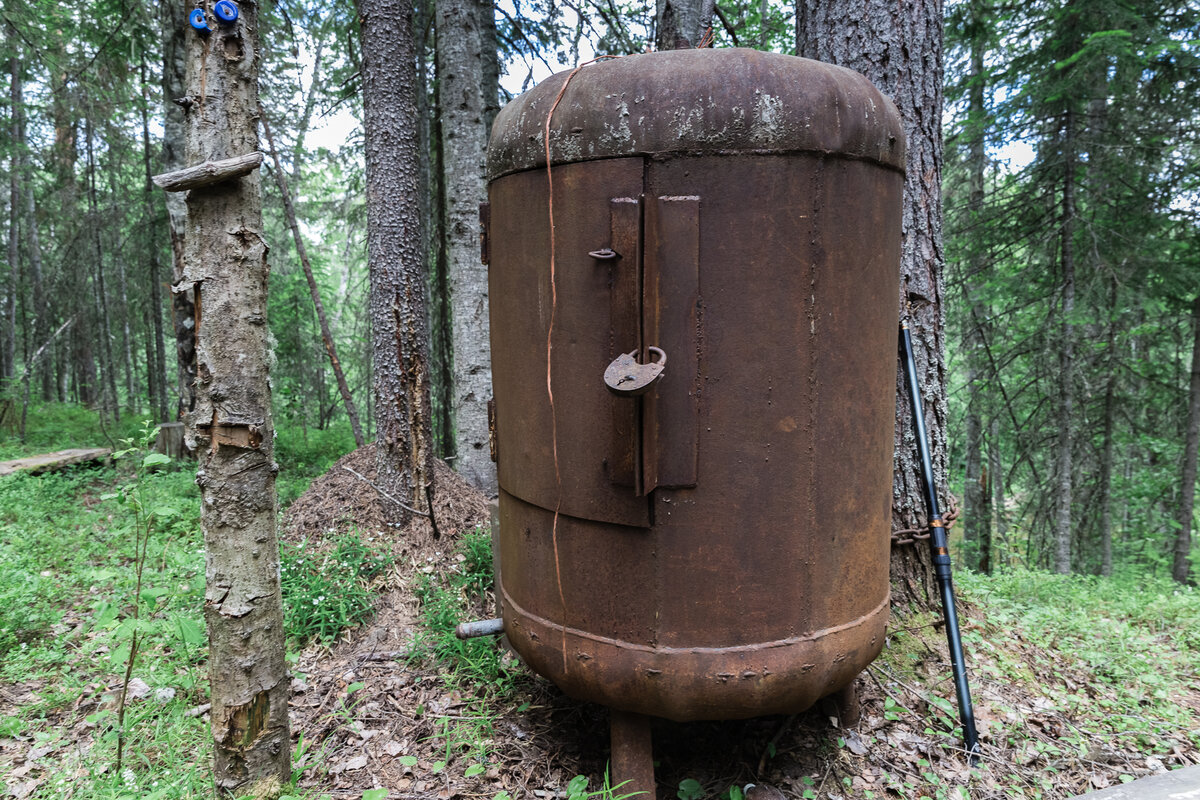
1114, 653
67, 593
327, 591
58, 426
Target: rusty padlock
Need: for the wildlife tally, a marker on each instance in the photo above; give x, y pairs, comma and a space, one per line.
625, 376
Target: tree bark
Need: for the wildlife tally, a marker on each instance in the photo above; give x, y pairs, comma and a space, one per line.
899, 48
681, 24
464, 145
400, 327
183, 305
1182, 565
326, 336
1066, 358
110, 400
14, 227
976, 493
157, 367
225, 264
485, 14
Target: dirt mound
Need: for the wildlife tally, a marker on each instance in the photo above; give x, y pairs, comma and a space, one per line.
346, 498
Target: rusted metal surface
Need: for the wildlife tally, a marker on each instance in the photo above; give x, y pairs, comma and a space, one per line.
695, 102
720, 547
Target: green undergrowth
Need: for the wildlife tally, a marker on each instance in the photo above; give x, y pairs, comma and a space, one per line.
326, 591
68, 596
60, 426
1116, 652
457, 595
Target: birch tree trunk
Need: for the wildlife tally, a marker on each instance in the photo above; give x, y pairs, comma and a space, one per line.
1182, 566
464, 145
400, 355
899, 48
225, 265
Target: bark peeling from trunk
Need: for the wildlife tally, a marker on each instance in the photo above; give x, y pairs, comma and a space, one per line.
230, 426
399, 321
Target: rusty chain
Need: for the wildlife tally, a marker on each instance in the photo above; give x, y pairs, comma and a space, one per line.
910, 535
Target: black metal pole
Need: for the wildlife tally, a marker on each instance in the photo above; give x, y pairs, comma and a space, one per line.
941, 555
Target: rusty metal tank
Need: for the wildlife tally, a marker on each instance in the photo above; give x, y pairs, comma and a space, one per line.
716, 547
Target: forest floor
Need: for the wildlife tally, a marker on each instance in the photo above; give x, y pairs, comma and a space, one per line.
1079, 682
1061, 709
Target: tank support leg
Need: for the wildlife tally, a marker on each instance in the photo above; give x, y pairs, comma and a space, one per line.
849, 709
632, 755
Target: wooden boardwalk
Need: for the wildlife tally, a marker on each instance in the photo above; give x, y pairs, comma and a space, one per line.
53, 461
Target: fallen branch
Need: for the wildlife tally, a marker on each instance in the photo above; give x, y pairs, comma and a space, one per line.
364, 479
208, 173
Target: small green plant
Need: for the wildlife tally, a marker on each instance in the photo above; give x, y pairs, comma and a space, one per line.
326, 592
690, 789
446, 600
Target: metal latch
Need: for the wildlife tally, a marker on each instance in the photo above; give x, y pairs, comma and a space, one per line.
625, 376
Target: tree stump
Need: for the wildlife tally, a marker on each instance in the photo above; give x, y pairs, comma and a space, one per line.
170, 442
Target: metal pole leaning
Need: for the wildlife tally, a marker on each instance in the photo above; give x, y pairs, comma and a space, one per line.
941, 555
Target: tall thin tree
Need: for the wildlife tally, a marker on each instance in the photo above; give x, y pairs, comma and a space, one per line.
400, 326
460, 62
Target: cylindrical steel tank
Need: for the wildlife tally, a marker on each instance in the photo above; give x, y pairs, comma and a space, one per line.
718, 546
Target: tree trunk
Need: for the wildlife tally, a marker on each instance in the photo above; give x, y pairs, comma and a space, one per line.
485, 14
1107, 448
110, 400
1066, 358
183, 302
225, 264
1182, 566
899, 48
326, 336
976, 494
14, 227
400, 327
158, 366
464, 144
682, 24
33, 250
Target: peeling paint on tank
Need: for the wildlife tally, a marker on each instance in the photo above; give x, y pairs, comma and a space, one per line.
767, 124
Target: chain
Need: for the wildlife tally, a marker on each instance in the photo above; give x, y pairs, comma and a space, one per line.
910, 535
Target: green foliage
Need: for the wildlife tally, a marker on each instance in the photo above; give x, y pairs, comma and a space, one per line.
328, 591
304, 454
450, 598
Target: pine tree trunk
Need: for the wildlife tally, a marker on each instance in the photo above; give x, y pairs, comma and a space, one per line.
33, 251
14, 228
110, 399
976, 494
183, 303
400, 326
681, 24
485, 14
1066, 358
225, 264
464, 143
899, 48
157, 365
1107, 447
326, 336
1182, 565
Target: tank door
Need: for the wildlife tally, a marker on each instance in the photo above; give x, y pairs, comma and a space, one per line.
586, 462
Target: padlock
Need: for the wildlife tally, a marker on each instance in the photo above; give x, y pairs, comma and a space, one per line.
625, 376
